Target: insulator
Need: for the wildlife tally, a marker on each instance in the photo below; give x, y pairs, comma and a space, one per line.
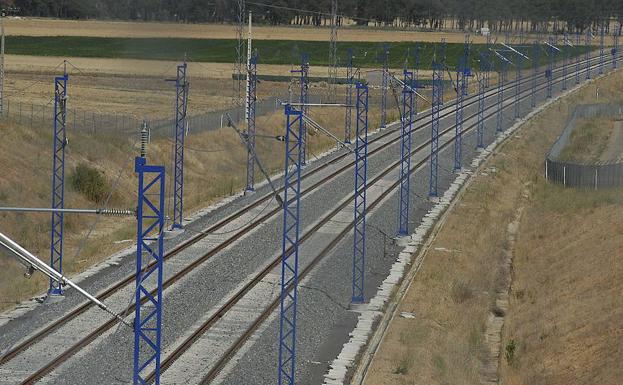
115, 212
144, 138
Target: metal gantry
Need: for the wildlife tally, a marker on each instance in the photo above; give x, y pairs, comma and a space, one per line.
149, 266
290, 245
577, 58
500, 95
549, 73
615, 47
536, 57
350, 79
251, 106
361, 175
181, 101
462, 72
304, 101
587, 58
482, 85
601, 48
565, 61
437, 102
58, 179
384, 85
408, 97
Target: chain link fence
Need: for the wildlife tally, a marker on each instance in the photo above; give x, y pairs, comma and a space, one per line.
596, 175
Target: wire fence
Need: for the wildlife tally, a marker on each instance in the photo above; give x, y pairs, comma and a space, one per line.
594, 175
41, 116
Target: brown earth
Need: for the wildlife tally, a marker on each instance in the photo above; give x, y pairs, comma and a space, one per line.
53, 27
565, 316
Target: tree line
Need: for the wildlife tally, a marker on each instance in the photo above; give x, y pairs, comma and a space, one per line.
497, 15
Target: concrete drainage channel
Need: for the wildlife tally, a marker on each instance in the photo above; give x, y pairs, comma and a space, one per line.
352, 363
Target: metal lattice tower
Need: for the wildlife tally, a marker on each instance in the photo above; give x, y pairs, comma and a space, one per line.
462, 72
442, 55
587, 58
333, 51
536, 57
304, 99
500, 95
1, 63
251, 106
384, 85
615, 48
290, 245
181, 99
565, 61
149, 265
577, 58
518, 76
405, 152
466, 67
361, 175
239, 63
350, 79
489, 62
437, 102
601, 48
58, 179
549, 73
480, 128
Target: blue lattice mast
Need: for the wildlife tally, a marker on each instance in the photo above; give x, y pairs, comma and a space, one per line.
384, 85
518, 69
536, 57
587, 53
150, 248
304, 100
437, 102
251, 106
549, 73
405, 151
58, 179
361, 175
350, 79
489, 62
290, 245
466, 65
601, 48
565, 61
577, 57
615, 47
181, 99
500, 95
462, 72
482, 85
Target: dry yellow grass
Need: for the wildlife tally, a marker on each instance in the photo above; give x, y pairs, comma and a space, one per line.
215, 164
565, 317
53, 27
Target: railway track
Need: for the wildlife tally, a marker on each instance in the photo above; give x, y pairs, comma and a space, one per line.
226, 356
213, 228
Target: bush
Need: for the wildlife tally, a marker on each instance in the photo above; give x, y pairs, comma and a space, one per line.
90, 182
510, 351
460, 292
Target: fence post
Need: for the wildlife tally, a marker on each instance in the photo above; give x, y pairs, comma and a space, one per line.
546, 178
564, 176
595, 178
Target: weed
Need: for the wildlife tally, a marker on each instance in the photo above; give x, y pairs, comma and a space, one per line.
90, 182
439, 363
511, 347
402, 368
461, 292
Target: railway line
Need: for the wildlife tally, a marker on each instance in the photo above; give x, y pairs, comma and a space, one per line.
222, 235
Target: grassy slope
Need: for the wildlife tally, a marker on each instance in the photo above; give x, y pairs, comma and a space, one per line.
588, 141
223, 51
565, 315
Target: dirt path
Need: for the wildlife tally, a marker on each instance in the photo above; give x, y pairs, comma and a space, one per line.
614, 151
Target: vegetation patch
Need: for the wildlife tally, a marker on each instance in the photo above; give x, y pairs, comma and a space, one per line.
588, 141
90, 182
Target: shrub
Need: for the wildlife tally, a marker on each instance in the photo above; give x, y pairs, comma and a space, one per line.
90, 182
460, 292
402, 367
510, 351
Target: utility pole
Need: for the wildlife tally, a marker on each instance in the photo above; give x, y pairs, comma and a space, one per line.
601, 48
181, 101
384, 85
480, 128
587, 46
408, 91
237, 84
536, 50
250, 106
290, 245
2, 63
149, 266
500, 99
350, 79
333, 51
58, 179
361, 180
462, 72
437, 102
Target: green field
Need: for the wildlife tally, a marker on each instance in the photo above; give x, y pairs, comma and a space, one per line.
223, 51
